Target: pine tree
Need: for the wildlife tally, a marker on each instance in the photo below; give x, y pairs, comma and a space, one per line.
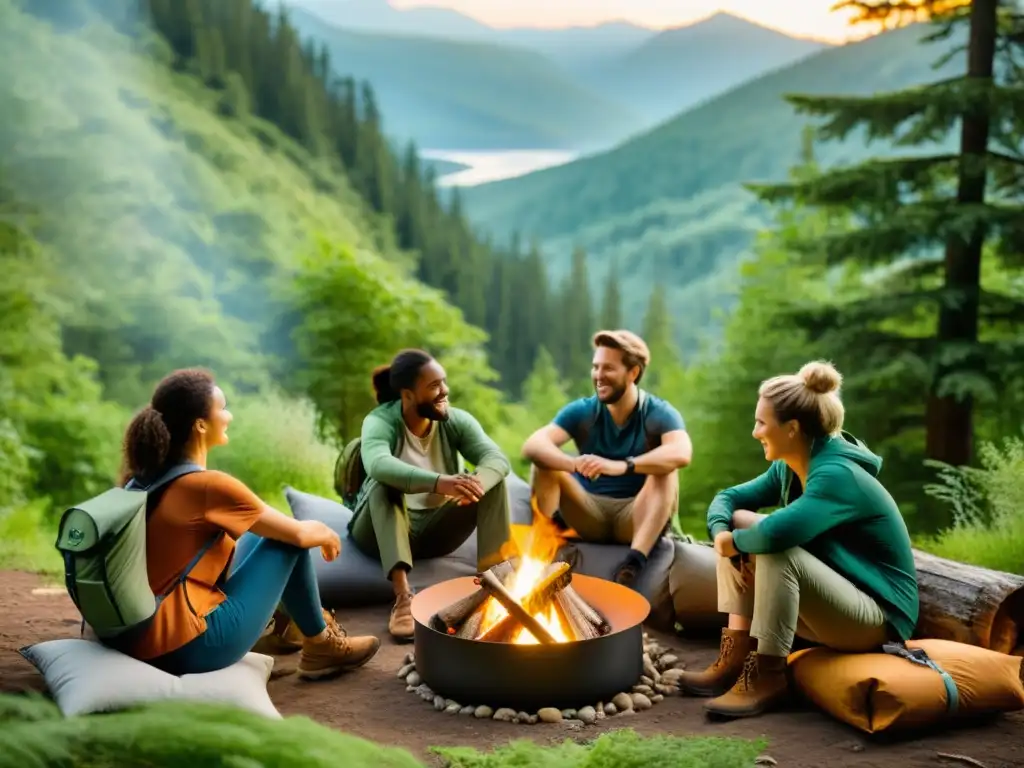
957, 201
659, 336
611, 306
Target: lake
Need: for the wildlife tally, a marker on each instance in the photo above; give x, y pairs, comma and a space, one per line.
495, 165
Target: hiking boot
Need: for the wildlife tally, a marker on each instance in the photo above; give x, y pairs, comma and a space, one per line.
626, 574
281, 638
762, 685
400, 624
334, 652
726, 669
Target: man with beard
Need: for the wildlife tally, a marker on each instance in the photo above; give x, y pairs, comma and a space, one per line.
623, 487
416, 500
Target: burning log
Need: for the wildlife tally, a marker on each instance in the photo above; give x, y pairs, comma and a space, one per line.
556, 578
583, 620
450, 618
589, 612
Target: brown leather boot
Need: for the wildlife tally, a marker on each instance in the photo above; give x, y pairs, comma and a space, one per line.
401, 624
334, 652
763, 685
726, 669
281, 638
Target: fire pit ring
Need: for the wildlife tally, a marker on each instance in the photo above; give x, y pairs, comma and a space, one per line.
528, 677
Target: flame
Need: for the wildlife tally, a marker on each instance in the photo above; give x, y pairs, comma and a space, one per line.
537, 546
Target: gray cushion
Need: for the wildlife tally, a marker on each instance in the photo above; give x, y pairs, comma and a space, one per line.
354, 579
85, 677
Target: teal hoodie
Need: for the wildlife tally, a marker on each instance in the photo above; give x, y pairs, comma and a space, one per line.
844, 517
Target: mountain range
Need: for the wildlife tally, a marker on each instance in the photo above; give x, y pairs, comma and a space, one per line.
451, 82
669, 207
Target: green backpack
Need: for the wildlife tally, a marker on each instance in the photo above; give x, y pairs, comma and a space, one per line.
349, 473
103, 543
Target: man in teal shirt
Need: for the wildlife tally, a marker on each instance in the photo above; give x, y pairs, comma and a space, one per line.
623, 487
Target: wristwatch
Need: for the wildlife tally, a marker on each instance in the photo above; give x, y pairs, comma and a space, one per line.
630, 466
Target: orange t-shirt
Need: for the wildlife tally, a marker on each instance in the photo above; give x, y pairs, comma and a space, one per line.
191, 511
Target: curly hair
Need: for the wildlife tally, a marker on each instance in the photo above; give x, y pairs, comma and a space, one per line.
157, 436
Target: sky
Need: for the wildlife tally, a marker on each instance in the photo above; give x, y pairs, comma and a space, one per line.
813, 19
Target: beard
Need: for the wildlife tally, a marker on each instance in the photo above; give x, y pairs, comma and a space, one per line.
429, 410
612, 397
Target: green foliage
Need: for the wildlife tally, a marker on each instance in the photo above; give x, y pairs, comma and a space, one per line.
35, 735
273, 443
622, 748
27, 535
356, 314
906, 207
988, 508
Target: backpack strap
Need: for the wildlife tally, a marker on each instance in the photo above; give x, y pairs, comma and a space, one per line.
918, 656
153, 491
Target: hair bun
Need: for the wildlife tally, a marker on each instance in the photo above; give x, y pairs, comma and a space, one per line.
820, 377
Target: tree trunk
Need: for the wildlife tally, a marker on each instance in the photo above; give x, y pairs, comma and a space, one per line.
949, 420
970, 604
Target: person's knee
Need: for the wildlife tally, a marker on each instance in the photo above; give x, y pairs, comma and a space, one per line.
776, 562
663, 485
539, 476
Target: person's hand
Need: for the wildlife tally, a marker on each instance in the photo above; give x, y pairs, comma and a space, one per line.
464, 488
724, 545
592, 467
320, 535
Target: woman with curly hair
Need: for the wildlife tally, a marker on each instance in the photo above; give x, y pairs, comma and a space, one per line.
240, 557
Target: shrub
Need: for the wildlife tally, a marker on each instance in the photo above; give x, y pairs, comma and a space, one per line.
988, 509
273, 444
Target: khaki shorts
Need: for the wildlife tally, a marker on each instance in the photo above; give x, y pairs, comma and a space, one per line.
600, 519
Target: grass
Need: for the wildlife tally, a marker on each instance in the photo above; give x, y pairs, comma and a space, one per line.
34, 735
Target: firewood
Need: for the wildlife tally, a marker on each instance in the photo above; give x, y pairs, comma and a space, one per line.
470, 628
580, 627
452, 616
969, 604
587, 610
556, 577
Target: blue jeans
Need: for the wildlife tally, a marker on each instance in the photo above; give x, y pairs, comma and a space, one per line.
263, 574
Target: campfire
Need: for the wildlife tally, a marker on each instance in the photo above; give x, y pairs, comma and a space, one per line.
525, 600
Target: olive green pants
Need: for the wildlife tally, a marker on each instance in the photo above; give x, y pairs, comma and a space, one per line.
793, 593
383, 527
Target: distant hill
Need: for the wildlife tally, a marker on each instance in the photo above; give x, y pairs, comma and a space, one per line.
575, 48
669, 205
681, 67
469, 95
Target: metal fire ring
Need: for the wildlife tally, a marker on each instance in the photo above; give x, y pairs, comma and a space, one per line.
528, 677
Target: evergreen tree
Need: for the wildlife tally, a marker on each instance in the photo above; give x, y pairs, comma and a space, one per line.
611, 306
659, 335
958, 201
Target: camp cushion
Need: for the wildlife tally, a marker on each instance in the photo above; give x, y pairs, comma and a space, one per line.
353, 579
85, 677
877, 692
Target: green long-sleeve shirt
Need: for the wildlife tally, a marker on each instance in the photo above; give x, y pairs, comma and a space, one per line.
381, 443
845, 518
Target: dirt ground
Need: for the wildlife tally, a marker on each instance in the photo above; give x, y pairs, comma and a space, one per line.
374, 704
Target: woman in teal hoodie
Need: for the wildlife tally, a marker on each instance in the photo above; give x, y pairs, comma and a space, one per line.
833, 564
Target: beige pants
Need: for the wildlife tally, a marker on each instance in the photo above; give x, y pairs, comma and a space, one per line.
599, 518
793, 593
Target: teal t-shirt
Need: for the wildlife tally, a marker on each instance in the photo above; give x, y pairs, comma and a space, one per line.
594, 431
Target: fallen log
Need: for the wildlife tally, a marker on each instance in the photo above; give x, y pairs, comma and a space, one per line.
969, 604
